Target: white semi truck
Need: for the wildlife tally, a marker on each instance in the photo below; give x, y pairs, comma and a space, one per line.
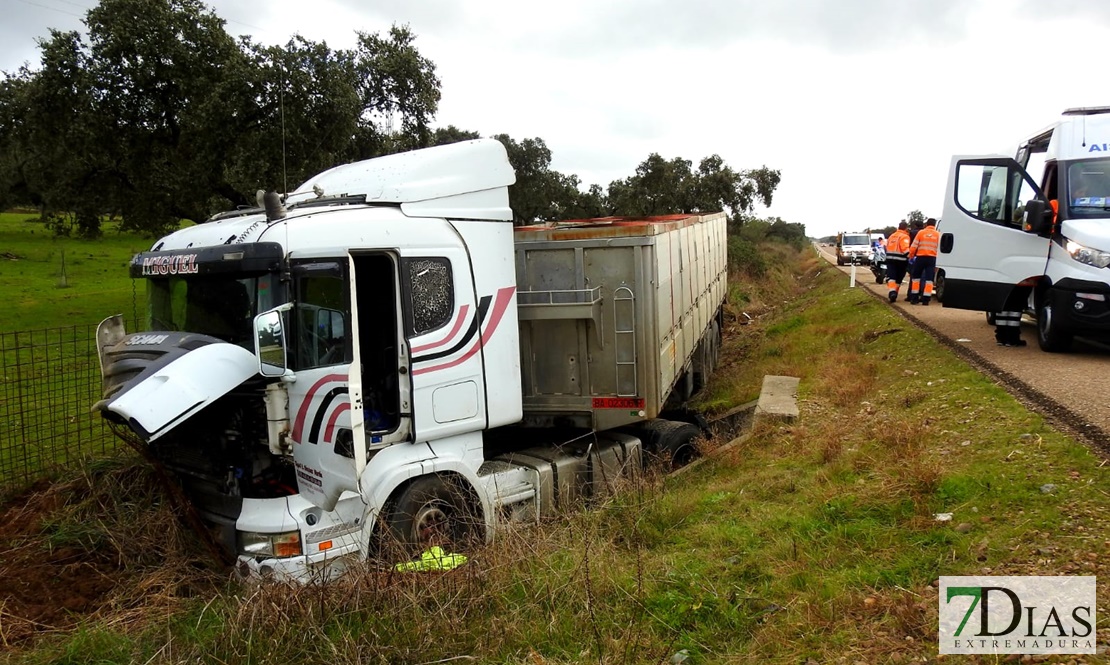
382, 355
1037, 223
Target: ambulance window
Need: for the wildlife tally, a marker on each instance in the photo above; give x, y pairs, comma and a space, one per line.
1088, 188
993, 193
430, 294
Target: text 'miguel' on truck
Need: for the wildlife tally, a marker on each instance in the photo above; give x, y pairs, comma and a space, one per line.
382, 355
1034, 228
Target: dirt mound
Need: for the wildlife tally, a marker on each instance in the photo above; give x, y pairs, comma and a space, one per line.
104, 543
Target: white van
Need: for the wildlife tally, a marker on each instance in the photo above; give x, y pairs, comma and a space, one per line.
1001, 230
853, 248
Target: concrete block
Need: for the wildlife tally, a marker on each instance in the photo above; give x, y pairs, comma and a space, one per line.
778, 398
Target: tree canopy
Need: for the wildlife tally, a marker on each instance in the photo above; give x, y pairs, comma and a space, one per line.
160, 115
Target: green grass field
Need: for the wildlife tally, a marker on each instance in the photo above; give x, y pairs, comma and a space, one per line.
95, 283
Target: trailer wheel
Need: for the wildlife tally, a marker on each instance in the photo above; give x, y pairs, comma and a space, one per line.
1049, 335
434, 510
671, 442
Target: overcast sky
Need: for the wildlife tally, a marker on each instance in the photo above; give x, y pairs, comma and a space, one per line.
860, 103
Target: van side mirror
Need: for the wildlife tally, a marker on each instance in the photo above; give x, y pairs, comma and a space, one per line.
1037, 217
269, 343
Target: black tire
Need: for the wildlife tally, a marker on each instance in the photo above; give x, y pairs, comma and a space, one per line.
671, 443
991, 319
938, 287
435, 510
878, 278
1049, 335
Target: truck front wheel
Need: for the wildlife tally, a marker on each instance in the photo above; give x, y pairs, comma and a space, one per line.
434, 511
1049, 335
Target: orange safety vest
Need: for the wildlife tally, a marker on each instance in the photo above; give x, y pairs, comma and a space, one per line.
897, 245
926, 242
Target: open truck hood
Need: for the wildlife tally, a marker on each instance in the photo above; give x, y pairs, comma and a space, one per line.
155, 381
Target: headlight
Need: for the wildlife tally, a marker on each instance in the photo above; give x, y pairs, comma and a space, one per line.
1091, 257
270, 544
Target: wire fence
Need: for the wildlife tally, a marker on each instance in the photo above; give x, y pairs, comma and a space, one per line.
49, 380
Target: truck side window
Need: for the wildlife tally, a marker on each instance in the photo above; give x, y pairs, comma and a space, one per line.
322, 313
430, 293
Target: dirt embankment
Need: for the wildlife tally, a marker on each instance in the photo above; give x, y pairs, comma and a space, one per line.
104, 542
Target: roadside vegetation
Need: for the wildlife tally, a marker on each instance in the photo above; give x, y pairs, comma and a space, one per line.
811, 541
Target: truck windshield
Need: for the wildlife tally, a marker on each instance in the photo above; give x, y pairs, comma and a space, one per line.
859, 239
220, 306
1089, 188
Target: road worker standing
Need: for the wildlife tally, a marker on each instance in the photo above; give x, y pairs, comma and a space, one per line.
923, 253
897, 258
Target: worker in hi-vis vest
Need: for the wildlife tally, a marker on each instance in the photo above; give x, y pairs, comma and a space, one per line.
923, 253
897, 259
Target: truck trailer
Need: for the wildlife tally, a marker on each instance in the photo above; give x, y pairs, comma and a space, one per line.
1034, 226
382, 355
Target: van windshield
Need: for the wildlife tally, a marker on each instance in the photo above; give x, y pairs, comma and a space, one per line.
1089, 188
857, 239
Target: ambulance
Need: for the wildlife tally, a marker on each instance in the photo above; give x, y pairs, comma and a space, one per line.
1038, 222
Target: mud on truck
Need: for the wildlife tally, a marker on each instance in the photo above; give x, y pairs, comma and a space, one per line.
382, 354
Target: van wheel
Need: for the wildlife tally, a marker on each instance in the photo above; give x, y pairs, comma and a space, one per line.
434, 510
1049, 336
991, 319
938, 287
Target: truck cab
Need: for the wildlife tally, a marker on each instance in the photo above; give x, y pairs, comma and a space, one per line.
853, 248
1036, 222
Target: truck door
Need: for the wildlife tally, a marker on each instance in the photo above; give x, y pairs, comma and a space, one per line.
379, 379
984, 251
446, 324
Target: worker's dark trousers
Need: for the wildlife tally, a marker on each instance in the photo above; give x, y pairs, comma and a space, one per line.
1007, 327
895, 273
921, 279
1007, 323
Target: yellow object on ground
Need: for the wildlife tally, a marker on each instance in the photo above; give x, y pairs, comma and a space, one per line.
434, 559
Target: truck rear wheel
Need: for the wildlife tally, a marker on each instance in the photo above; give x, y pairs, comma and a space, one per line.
1049, 335
434, 510
671, 442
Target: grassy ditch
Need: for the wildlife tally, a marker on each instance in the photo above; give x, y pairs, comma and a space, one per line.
811, 542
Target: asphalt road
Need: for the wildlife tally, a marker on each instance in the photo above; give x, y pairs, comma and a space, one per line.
1069, 389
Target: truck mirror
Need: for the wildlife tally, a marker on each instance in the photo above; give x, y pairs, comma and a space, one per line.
1037, 217
269, 343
